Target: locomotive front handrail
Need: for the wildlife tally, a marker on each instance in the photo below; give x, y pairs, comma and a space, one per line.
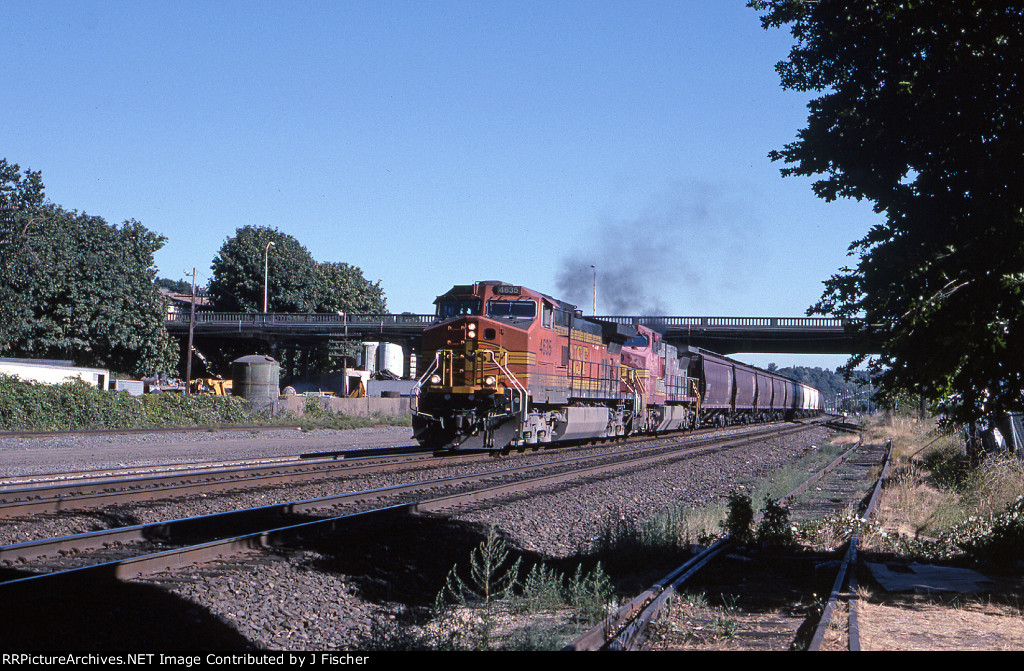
516, 384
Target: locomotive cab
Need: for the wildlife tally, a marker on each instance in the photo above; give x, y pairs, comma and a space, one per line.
512, 366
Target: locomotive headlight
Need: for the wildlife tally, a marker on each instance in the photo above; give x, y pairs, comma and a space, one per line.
471, 330
435, 379
490, 380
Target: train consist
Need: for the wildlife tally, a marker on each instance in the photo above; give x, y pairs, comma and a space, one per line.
511, 367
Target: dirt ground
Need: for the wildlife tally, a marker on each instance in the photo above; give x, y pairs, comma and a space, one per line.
932, 623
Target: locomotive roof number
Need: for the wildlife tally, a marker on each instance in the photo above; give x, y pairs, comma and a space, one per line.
507, 290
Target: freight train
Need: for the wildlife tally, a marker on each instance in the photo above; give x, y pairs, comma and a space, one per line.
511, 367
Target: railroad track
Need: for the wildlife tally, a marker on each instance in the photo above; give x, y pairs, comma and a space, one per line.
97, 489
678, 613
139, 549
91, 490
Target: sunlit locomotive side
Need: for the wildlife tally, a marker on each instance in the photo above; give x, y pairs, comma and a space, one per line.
511, 366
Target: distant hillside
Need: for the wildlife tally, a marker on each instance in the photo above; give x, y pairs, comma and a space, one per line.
825, 380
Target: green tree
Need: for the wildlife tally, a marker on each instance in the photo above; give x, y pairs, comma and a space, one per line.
920, 113
346, 290
21, 194
76, 287
176, 286
295, 282
238, 273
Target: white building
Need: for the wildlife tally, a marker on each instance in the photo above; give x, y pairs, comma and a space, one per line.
51, 371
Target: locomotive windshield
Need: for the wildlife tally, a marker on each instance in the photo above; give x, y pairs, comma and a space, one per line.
458, 307
512, 310
639, 340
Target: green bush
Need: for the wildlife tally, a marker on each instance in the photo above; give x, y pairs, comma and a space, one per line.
1003, 540
590, 594
774, 529
29, 406
739, 518
542, 590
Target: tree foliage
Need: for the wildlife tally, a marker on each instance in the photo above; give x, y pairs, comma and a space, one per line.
76, 287
827, 382
920, 113
294, 281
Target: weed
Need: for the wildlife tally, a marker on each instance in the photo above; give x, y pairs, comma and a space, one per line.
491, 576
774, 530
590, 594
739, 518
692, 600
542, 590
724, 627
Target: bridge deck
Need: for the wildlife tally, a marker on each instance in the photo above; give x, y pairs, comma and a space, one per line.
726, 335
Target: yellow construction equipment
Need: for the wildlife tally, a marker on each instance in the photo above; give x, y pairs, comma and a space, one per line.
210, 385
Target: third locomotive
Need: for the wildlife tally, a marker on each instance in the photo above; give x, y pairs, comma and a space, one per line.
511, 367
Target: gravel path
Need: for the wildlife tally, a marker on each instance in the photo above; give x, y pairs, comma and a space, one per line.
327, 594
50, 454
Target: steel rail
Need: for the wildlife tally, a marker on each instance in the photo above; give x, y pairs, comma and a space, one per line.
626, 628
160, 487
849, 561
23, 552
106, 492
31, 433
352, 455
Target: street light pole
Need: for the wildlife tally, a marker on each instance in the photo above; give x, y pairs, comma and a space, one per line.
595, 289
266, 267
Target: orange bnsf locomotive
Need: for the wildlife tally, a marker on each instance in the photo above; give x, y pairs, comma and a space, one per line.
510, 367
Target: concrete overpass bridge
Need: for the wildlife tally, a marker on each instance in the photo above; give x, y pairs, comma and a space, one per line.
724, 335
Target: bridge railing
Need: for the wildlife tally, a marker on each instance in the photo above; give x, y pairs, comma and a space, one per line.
273, 318
800, 322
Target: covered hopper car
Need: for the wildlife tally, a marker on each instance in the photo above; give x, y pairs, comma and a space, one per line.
510, 367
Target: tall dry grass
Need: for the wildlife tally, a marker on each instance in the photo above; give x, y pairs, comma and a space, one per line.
931, 487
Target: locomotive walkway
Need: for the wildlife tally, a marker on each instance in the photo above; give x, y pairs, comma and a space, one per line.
725, 335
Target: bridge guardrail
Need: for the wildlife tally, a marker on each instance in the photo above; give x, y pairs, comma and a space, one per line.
272, 318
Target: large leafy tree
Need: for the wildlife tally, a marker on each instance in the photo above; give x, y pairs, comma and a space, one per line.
294, 281
921, 112
76, 287
238, 273
21, 196
346, 290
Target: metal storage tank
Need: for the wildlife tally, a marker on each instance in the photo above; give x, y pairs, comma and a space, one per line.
370, 356
256, 378
391, 358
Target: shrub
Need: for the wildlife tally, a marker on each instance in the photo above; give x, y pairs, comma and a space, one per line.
1003, 542
739, 518
29, 406
774, 530
542, 590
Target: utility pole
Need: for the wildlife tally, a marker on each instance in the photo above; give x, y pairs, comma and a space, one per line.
191, 328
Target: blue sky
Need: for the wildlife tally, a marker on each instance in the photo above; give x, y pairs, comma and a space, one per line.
434, 143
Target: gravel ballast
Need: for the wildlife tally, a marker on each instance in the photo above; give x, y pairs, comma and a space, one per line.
326, 595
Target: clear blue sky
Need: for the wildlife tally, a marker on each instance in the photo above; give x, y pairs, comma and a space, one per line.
433, 143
